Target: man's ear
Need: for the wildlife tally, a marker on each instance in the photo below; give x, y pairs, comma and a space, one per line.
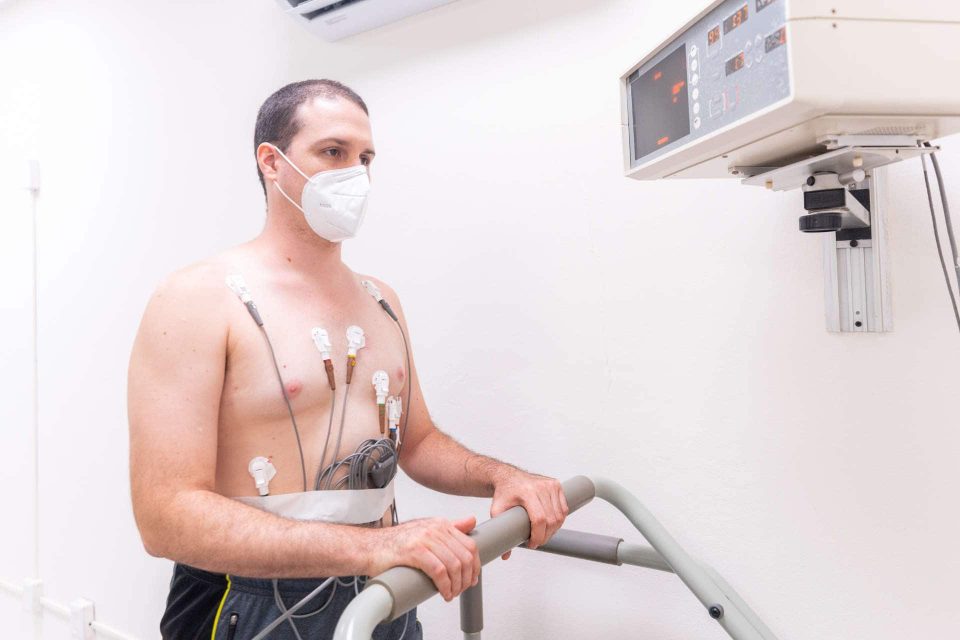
267, 159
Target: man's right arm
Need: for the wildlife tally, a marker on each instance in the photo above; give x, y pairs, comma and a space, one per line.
174, 386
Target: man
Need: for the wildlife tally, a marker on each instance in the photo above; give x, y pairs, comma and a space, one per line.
223, 410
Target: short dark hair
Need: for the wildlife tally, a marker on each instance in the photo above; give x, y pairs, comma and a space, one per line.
277, 119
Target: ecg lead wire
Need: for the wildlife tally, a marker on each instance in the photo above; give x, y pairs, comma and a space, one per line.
239, 287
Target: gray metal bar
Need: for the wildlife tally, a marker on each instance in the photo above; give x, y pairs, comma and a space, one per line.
718, 604
398, 590
407, 587
364, 613
471, 609
580, 544
640, 555
739, 602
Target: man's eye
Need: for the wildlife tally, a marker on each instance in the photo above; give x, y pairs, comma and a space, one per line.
365, 160
333, 153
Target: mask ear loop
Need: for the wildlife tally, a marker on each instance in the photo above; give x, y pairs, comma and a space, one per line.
284, 194
290, 162
295, 168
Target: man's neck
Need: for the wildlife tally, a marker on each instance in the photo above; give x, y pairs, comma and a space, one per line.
301, 251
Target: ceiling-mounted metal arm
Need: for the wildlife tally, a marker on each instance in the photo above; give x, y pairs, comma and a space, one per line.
858, 153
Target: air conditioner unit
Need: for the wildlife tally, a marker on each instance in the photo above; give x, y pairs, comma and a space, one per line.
336, 19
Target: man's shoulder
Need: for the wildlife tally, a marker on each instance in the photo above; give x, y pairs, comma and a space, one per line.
184, 317
198, 285
198, 279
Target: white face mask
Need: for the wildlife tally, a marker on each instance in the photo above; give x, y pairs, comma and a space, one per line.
333, 202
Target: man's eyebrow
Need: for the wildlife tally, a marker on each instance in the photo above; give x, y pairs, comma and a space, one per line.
320, 143
342, 143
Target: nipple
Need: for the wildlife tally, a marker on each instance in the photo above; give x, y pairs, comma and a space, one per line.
294, 387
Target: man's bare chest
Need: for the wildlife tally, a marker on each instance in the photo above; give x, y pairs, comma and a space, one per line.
252, 391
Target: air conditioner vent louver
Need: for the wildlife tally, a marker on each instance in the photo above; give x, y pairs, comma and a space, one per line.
336, 19
890, 131
327, 9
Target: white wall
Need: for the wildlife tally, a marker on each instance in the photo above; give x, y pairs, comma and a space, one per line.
667, 334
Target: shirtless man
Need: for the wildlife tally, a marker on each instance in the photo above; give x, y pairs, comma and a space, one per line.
205, 399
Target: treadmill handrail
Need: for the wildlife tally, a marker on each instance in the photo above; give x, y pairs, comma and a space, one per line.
400, 589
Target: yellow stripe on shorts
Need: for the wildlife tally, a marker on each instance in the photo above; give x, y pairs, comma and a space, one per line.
216, 620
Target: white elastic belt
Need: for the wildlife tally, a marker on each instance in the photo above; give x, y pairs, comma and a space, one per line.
344, 506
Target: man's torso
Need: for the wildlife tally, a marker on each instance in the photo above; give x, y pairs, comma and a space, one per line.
253, 417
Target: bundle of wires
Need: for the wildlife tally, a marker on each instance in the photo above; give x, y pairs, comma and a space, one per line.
359, 465
290, 615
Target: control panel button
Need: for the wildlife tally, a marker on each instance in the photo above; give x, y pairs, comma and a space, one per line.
696, 122
696, 94
696, 107
693, 64
693, 50
695, 79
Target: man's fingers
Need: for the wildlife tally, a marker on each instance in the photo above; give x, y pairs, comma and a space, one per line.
472, 565
563, 502
434, 567
557, 515
538, 526
472, 555
466, 551
466, 525
443, 548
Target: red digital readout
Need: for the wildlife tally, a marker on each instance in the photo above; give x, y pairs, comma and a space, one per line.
662, 141
735, 20
713, 36
735, 63
775, 39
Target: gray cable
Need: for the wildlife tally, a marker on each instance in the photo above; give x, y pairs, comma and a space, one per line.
343, 420
286, 399
406, 620
406, 350
946, 213
406, 412
936, 237
369, 452
289, 612
278, 599
326, 442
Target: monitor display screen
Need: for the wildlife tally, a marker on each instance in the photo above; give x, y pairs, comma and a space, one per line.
661, 111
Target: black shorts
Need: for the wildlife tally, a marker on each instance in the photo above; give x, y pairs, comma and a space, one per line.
212, 606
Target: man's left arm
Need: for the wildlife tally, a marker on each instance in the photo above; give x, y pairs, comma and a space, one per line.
437, 461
